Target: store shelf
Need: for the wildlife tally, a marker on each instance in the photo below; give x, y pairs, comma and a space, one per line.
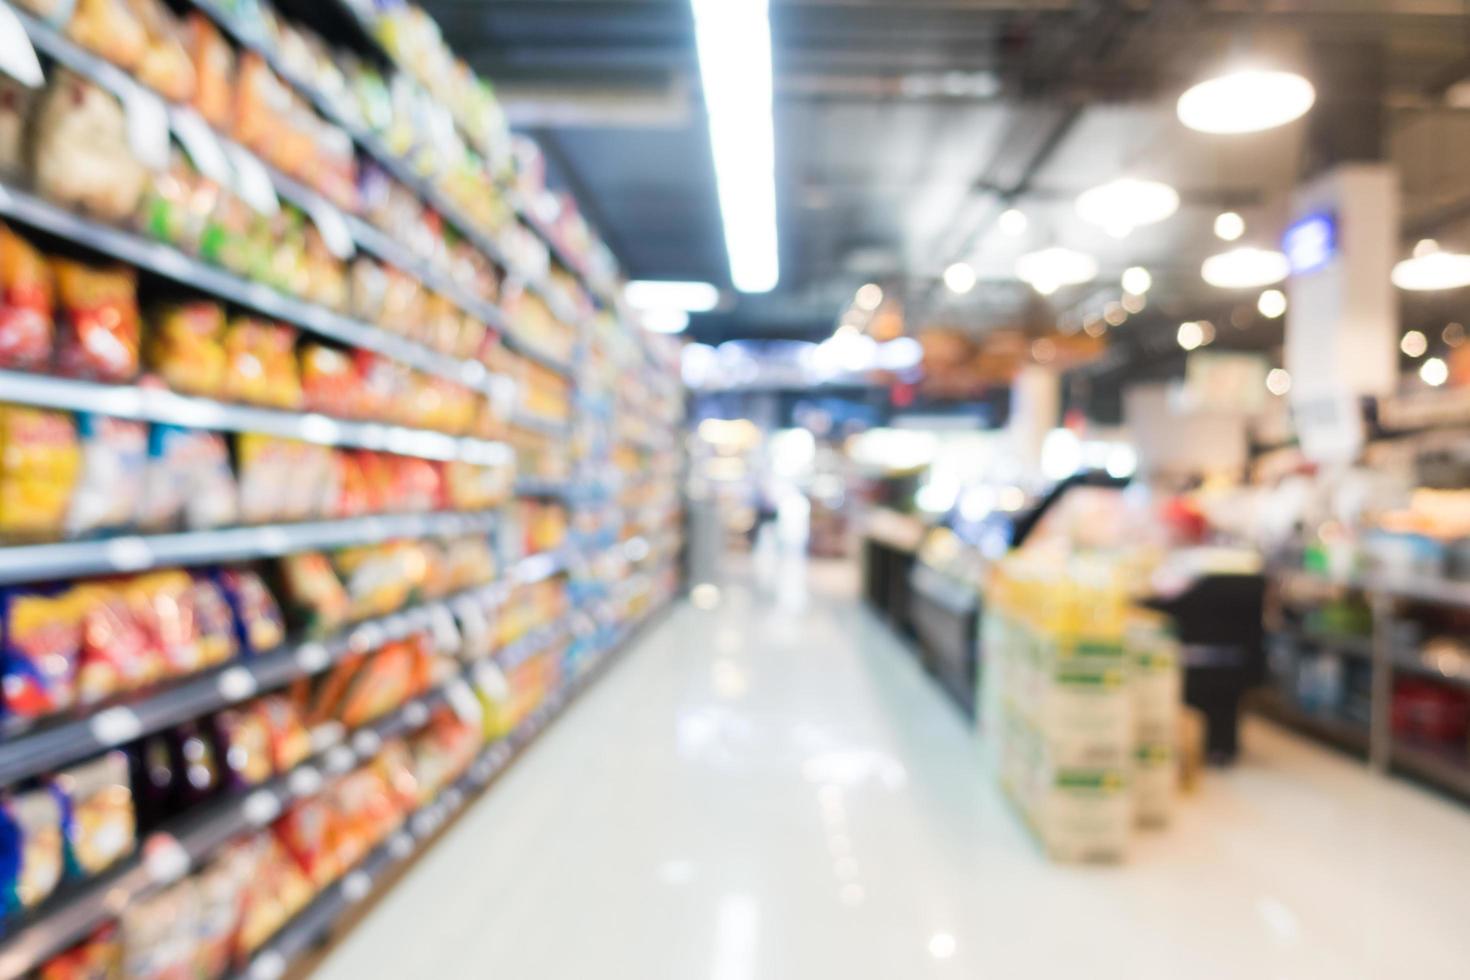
540, 424
1407, 588
1450, 673
169, 262
160, 406
537, 641
1339, 732
140, 552
166, 856
536, 487
1444, 768
371, 878
533, 353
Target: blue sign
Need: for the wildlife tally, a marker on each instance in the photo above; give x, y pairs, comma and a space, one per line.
1310, 243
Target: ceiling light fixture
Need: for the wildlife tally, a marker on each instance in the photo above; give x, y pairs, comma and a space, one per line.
1278, 381
1136, 280
1414, 344
1271, 304
960, 278
1122, 205
1013, 222
1051, 268
1229, 226
1434, 372
1432, 269
734, 41
1245, 268
1246, 101
1190, 336
665, 321
869, 297
691, 297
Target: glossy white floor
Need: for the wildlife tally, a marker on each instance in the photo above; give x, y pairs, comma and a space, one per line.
770, 790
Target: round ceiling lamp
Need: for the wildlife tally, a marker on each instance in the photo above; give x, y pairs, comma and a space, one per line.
1245, 268
960, 278
1432, 269
1122, 205
1246, 101
1048, 270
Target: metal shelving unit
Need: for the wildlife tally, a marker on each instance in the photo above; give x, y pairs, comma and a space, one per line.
140, 552
163, 407
1385, 751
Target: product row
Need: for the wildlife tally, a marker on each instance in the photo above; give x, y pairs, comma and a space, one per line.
71, 647
69, 476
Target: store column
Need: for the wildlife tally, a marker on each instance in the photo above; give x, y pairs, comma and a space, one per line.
1036, 405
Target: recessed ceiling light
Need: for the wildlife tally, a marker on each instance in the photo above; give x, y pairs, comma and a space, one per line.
1052, 268
1434, 372
960, 278
869, 297
1432, 269
1121, 205
1189, 335
652, 294
734, 42
1414, 344
1246, 101
665, 321
1013, 222
1245, 268
1229, 226
1136, 280
1278, 381
1272, 303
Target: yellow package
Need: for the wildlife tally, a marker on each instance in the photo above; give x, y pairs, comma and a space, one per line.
40, 463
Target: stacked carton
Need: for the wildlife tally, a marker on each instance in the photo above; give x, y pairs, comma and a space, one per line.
1087, 689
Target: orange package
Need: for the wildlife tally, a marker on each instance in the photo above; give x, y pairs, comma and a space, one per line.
186, 347
214, 71
100, 325
27, 305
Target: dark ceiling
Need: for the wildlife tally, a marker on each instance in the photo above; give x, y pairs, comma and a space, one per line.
904, 127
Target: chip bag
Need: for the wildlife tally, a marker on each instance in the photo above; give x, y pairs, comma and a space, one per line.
32, 849
27, 304
114, 474
99, 326
39, 464
42, 640
99, 820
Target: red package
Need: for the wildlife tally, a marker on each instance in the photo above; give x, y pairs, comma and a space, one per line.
27, 303
100, 323
117, 653
305, 833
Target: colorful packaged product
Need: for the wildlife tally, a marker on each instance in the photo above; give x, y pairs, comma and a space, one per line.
190, 484
244, 739
214, 70
98, 957
198, 772
118, 652
100, 824
42, 640
289, 739
81, 151
213, 622
186, 347
32, 849
304, 833
39, 464
110, 28
27, 304
163, 602
99, 326
259, 624
261, 364
220, 890
313, 594
164, 65
114, 474
158, 933
278, 889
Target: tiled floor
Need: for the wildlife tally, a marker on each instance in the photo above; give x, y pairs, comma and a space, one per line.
770, 790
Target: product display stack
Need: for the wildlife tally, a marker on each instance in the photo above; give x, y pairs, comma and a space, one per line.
290, 342
1087, 690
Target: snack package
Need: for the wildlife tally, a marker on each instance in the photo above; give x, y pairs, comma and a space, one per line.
186, 347
259, 625
99, 822
365, 811
32, 850
260, 360
118, 652
154, 781
158, 933
27, 300
114, 474
99, 326
278, 889
214, 70
394, 763
98, 957
164, 65
110, 28
42, 640
16, 102
39, 464
282, 479
214, 624
384, 681
220, 890
197, 768
379, 579
304, 833
244, 739
329, 381
163, 602
177, 203
313, 594
290, 742
82, 157
189, 481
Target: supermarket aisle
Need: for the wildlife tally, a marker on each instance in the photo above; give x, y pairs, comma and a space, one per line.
770, 790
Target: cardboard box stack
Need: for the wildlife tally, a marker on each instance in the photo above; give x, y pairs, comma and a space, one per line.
1087, 690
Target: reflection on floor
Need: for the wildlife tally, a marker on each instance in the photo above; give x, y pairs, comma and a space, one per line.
771, 790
